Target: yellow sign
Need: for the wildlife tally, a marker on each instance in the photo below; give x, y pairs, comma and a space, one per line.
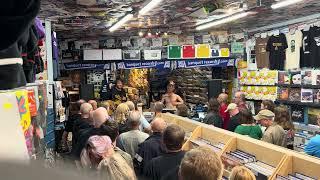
23, 104
203, 51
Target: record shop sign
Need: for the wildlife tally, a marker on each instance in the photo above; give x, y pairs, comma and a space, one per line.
219, 62
143, 64
76, 66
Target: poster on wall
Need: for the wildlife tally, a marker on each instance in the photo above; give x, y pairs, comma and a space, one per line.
157, 42
174, 52
24, 110
203, 51
188, 52
237, 48
173, 40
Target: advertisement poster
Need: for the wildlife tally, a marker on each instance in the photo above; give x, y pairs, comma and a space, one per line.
23, 105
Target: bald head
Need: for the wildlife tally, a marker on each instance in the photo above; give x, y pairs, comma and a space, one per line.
158, 125
158, 107
239, 97
85, 110
100, 116
94, 104
223, 98
134, 119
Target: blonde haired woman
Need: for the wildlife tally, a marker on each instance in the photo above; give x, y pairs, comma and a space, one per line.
120, 116
241, 173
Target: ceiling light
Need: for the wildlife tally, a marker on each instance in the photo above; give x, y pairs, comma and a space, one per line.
149, 34
121, 22
140, 33
223, 21
166, 34
149, 6
284, 3
157, 33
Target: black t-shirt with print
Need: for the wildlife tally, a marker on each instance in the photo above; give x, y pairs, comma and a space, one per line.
315, 46
118, 96
277, 46
305, 51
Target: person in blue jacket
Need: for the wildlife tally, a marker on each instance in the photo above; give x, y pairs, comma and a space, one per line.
313, 147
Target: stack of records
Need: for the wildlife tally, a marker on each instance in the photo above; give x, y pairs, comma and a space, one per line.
216, 147
236, 158
260, 169
296, 176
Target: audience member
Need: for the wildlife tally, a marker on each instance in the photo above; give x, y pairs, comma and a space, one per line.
274, 133
131, 139
144, 124
106, 105
118, 94
223, 101
268, 104
94, 104
121, 115
158, 108
152, 147
282, 117
240, 100
182, 110
234, 116
313, 146
83, 123
247, 126
213, 116
241, 173
70, 122
200, 164
173, 139
100, 116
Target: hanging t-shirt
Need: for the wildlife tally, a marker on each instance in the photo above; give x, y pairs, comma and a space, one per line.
294, 41
251, 54
315, 46
305, 50
262, 56
277, 46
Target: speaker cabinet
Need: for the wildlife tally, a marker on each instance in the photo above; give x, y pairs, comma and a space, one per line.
214, 88
87, 91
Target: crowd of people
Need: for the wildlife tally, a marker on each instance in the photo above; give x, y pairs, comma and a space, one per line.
126, 146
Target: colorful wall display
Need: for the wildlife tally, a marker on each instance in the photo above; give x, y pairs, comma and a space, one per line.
224, 52
203, 51
174, 52
24, 110
32, 102
188, 52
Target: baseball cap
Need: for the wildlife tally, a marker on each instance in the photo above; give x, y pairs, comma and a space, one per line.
231, 106
264, 114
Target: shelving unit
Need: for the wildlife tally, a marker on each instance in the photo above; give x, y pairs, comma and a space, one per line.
283, 160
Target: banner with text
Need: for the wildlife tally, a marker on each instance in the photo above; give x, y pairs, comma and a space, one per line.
143, 64
77, 66
219, 62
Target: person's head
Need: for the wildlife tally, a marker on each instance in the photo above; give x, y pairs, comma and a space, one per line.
265, 117
131, 105
223, 98
268, 104
240, 97
111, 129
158, 107
201, 164
170, 88
121, 113
282, 117
241, 173
119, 84
116, 167
105, 104
232, 109
246, 117
173, 138
134, 119
100, 115
94, 104
97, 148
85, 110
79, 103
158, 125
213, 105
182, 110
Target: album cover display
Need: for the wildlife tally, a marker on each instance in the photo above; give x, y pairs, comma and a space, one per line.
283, 93
297, 113
295, 77
295, 94
307, 95
306, 77
283, 77
316, 77
316, 95
313, 114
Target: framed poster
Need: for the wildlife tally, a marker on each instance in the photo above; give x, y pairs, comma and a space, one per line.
92, 54
152, 54
131, 55
188, 52
203, 51
174, 52
112, 54
224, 52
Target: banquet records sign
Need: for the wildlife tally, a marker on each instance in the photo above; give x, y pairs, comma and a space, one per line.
143, 64
206, 63
23, 105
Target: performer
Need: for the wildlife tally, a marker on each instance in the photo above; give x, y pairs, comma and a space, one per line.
170, 99
118, 95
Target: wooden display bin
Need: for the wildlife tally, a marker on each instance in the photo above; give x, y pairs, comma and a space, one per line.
299, 163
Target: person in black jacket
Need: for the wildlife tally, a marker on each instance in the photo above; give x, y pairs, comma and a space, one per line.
213, 117
234, 116
118, 95
152, 147
173, 138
